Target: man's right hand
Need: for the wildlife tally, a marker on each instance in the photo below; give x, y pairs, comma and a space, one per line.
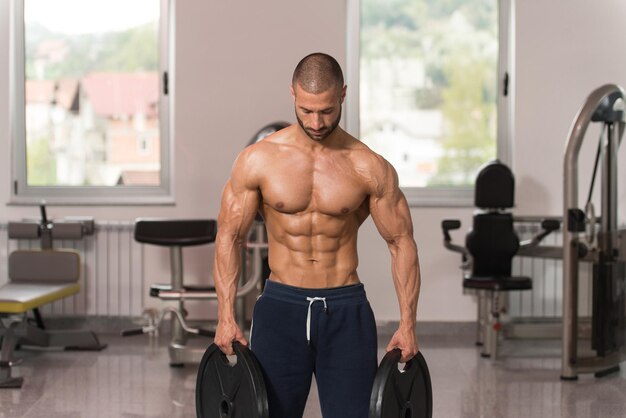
226, 334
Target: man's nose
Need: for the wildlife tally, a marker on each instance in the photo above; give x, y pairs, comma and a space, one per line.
316, 121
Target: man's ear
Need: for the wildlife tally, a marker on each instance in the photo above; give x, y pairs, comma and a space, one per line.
343, 93
293, 93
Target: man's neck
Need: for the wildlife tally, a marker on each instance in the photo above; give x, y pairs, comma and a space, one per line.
332, 141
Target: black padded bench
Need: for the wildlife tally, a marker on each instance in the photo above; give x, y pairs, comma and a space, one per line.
176, 234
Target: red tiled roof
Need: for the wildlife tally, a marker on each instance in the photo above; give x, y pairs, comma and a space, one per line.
63, 92
117, 94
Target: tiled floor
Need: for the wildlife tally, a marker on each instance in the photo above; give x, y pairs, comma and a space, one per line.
131, 378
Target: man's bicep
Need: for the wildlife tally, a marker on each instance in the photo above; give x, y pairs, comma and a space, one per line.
389, 208
391, 215
241, 195
238, 209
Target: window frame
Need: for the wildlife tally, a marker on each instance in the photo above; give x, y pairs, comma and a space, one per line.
451, 196
22, 193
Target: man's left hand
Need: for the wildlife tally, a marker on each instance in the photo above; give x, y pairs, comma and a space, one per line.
405, 340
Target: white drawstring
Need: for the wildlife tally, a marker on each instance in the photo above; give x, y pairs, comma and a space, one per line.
308, 317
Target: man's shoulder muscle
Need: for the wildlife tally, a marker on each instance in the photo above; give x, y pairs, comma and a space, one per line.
249, 164
373, 168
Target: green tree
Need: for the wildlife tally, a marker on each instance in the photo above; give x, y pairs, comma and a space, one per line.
132, 50
469, 110
41, 165
135, 49
455, 42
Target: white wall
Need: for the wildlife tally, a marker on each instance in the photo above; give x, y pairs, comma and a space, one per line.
565, 49
233, 67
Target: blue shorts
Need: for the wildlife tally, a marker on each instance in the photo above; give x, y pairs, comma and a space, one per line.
330, 332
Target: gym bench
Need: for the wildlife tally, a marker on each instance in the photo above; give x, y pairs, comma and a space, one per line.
176, 234
38, 277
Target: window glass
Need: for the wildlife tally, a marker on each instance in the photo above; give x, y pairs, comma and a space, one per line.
91, 94
428, 87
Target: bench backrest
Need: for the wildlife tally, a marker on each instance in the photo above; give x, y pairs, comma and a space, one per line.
44, 266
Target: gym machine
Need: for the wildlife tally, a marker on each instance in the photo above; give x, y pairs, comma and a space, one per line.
38, 277
179, 233
489, 250
604, 248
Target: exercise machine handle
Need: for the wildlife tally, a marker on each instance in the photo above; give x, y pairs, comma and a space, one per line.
206, 332
449, 225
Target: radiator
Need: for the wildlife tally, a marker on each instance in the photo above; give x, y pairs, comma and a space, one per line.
544, 301
112, 279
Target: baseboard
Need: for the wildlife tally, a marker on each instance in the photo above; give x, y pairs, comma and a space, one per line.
115, 324
434, 328
97, 324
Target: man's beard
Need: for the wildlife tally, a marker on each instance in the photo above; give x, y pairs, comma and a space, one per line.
324, 133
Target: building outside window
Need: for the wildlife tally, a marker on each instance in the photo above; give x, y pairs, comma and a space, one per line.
90, 85
431, 100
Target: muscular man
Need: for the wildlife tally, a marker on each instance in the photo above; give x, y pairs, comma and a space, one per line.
315, 184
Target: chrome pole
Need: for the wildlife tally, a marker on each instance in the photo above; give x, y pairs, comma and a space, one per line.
599, 98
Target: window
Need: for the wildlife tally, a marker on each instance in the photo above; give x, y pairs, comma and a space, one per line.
91, 101
431, 90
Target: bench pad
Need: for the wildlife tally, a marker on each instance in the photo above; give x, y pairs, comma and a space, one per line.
23, 296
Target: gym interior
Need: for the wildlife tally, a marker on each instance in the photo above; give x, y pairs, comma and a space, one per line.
106, 304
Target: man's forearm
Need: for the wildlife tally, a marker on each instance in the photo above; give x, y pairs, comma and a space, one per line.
406, 277
226, 274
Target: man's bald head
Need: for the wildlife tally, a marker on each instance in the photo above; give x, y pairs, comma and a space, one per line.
317, 73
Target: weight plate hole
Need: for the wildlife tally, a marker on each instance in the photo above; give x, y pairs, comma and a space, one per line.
408, 413
229, 360
404, 367
224, 409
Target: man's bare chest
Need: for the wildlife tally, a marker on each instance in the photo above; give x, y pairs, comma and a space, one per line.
325, 185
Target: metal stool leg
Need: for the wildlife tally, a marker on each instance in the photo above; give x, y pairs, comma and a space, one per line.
493, 326
482, 318
486, 324
178, 336
9, 340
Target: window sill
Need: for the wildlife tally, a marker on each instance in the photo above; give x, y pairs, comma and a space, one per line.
431, 197
91, 202
136, 198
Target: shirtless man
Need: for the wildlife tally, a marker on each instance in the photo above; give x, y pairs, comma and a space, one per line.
315, 184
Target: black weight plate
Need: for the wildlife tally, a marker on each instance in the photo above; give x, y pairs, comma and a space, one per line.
230, 391
403, 394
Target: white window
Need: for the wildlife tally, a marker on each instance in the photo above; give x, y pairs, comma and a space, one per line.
433, 92
90, 80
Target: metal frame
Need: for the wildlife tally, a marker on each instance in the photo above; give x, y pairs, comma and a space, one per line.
22, 193
431, 196
599, 107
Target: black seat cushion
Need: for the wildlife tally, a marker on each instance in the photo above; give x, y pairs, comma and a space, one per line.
157, 288
498, 283
175, 232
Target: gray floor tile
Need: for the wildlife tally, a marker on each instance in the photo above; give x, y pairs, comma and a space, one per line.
132, 378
